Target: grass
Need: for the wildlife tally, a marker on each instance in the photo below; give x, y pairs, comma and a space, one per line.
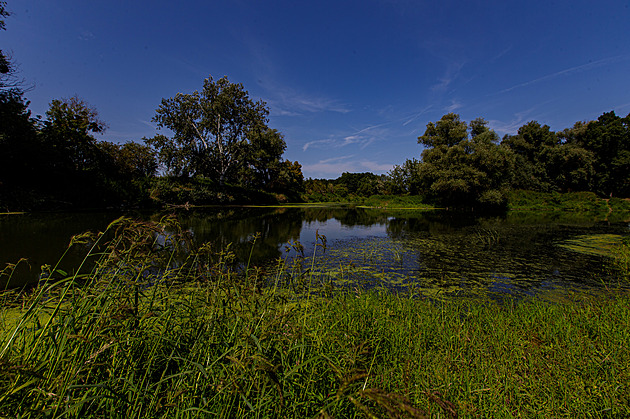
203, 339
570, 201
396, 201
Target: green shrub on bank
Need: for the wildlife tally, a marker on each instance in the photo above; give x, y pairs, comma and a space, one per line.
202, 191
396, 201
619, 204
200, 339
571, 201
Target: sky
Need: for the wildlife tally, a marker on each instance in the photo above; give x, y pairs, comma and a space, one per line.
350, 84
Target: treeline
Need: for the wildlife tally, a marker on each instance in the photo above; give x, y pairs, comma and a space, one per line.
467, 164
59, 163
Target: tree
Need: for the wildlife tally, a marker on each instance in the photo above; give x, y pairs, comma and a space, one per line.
130, 160
446, 132
403, 179
262, 158
21, 157
458, 170
68, 132
362, 184
5, 66
123, 171
290, 178
608, 139
569, 167
210, 129
531, 145
8, 78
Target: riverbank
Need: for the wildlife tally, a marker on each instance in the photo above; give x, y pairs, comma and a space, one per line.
517, 200
171, 192
572, 201
200, 340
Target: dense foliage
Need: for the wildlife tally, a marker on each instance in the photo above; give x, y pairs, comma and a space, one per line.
221, 134
467, 165
58, 162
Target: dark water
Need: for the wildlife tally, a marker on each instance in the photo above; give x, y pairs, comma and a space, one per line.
438, 252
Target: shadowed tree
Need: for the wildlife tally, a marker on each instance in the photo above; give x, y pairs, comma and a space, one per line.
68, 132
8, 72
608, 139
22, 160
531, 146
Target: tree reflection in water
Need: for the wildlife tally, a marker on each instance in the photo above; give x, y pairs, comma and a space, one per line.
517, 253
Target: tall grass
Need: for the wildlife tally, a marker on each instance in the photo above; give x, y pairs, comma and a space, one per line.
158, 330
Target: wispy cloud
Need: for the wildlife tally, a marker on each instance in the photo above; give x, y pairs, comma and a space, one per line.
361, 138
416, 115
568, 71
283, 112
519, 119
317, 143
86, 36
338, 142
334, 159
455, 104
377, 167
288, 102
618, 108
371, 127
500, 54
147, 123
450, 74
283, 100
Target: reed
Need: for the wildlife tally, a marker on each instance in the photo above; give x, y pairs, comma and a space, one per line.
156, 329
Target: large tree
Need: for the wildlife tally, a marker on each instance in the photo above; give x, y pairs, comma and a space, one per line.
458, 169
210, 129
262, 160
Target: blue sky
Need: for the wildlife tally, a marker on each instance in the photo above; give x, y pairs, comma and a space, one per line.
350, 84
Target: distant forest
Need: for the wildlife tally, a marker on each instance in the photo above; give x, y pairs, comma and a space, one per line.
468, 165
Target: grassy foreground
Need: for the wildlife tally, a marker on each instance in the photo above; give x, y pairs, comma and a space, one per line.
199, 340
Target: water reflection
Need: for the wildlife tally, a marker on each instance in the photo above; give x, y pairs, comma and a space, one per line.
436, 251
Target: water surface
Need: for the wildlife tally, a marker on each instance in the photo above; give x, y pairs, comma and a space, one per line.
437, 252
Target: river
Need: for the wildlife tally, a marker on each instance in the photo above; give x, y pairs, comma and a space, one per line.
438, 252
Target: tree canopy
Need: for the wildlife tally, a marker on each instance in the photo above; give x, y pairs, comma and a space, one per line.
463, 164
68, 131
212, 130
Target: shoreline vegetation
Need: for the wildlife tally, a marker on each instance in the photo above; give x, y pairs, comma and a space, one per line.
57, 163
158, 329
517, 200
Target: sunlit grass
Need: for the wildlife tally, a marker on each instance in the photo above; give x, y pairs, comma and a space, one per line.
199, 339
